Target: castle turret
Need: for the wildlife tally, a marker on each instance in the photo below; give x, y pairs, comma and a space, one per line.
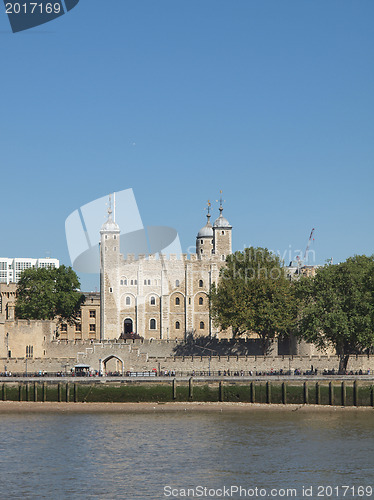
204, 238
222, 235
109, 278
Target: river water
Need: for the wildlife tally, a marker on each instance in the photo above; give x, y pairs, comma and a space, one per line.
155, 456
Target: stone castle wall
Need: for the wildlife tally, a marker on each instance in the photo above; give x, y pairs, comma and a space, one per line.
61, 357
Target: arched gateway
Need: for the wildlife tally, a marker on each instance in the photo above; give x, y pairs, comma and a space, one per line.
112, 364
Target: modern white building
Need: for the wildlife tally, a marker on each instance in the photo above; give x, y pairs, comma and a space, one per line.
11, 269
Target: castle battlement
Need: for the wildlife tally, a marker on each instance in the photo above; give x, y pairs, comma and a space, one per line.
192, 257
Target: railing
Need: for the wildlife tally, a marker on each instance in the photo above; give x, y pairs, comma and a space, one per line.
187, 373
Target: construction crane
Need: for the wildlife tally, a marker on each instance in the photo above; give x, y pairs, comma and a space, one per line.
308, 245
299, 261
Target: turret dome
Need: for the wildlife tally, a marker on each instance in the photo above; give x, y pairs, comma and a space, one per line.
206, 231
110, 225
222, 222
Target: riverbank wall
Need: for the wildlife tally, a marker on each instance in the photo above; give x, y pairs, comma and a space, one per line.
333, 393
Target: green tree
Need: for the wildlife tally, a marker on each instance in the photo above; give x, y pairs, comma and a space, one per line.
254, 296
48, 293
337, 307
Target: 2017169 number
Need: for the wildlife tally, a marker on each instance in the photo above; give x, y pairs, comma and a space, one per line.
32, 8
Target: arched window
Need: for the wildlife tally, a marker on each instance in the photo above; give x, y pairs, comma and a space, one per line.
152, 324
177, 283
177, 325
121, 282
201, 301
153, 301
201, 283
177, 301
202, 326
128, 301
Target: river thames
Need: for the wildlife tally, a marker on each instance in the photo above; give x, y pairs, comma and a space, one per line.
228, 454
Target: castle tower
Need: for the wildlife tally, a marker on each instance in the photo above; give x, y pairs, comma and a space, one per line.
204, 239
109, 278
222, 235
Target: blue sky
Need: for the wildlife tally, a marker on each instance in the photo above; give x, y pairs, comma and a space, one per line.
269, 100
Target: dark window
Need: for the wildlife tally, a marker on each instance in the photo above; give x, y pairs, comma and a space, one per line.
92, 314
152, 324
177, 325
202, 325
153, 301
92, 328
177, 301
128, 301
78, 327
201, 301
177, 283
201, 283
64, 327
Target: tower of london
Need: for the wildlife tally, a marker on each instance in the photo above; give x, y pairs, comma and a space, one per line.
159, 296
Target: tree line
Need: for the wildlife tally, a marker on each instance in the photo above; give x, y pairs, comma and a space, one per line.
334, 308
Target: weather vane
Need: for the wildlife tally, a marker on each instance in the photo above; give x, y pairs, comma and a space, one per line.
220, 201
109, 205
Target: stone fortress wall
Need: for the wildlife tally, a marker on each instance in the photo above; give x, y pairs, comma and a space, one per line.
146, 356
